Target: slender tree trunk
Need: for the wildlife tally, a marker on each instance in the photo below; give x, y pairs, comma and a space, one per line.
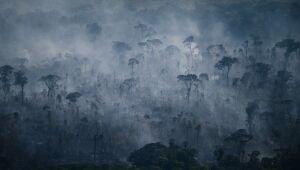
246, 55
191, 59
22, 94
227, 76
188, 95
132, 74
197, 92
49, 94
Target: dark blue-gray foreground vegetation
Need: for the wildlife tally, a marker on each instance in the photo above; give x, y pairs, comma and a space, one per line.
149, 85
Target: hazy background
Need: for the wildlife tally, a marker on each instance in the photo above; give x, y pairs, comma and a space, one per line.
75, 39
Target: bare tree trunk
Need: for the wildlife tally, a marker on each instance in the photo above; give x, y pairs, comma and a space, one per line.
191, 59
22, 94
227, 76
132, 73
188, 95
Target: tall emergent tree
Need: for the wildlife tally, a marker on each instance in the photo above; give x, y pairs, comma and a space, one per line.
261, 72
6, 78
73, 97
120, 49
51, 83
257, 44
225, 64
188, 81
144, 31
188, 44
290, 46
128, 85
132, 62
200, 83
152, 44
21, 80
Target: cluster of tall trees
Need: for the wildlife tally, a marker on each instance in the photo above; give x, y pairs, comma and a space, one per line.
235, 99
10, 77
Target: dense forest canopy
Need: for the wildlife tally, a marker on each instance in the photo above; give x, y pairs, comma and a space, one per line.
149, 84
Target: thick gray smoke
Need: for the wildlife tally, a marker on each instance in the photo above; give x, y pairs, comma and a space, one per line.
124, 58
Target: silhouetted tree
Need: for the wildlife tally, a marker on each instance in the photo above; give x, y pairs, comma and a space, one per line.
73, 97
188, 125
188, 41
246, 48
261, 72
127, 85
290, 46
172, 50
188, 44
132, 62
203, 77
188, 81
198, 83
152, 44
51, 83
6, 78
226, 63
120, 49
216, 50
21, 80
257, 43
144, 31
